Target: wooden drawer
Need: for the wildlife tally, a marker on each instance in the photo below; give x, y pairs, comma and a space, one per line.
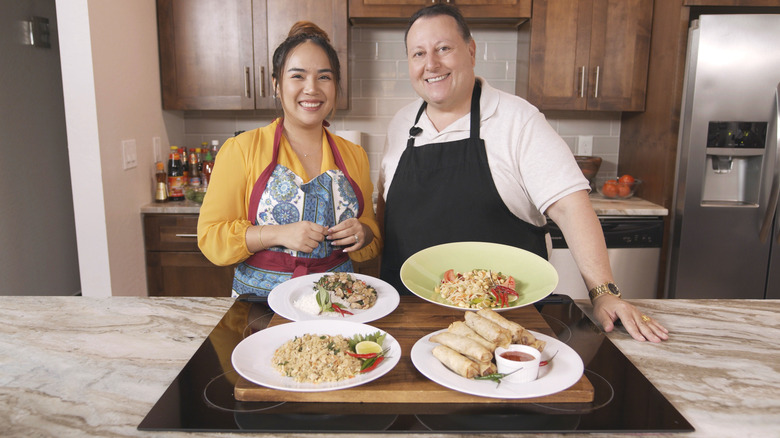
175, 267
186, 274
171, 232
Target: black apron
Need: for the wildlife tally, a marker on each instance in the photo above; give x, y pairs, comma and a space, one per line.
444, 192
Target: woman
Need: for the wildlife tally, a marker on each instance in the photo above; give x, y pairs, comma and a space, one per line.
290, 198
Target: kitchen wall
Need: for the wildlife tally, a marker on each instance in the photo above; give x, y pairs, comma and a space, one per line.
379, 86
37, 236
111, 85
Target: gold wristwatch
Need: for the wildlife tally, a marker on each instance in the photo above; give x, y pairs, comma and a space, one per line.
606, 288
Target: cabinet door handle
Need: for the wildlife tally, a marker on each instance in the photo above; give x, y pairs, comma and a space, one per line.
187, 235
262, 81
246, 82
596, 90
582, 81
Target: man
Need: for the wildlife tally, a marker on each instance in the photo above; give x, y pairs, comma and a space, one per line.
469, 162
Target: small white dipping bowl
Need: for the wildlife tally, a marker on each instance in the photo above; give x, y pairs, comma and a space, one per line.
530, 368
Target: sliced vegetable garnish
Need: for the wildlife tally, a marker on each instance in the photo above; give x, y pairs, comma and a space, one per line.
372, 358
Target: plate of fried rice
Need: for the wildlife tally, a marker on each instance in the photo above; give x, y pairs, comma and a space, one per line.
310, 356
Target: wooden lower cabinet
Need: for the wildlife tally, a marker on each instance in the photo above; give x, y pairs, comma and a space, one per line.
175, 267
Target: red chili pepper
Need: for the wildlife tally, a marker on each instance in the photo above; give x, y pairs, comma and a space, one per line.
376, 362
495, 295
501, 297
507, 290
362, 356
340, 310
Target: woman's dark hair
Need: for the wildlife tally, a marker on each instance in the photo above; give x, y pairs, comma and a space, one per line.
301, 32
441, 9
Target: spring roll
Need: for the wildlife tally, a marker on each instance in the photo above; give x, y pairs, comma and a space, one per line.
463, 345
519, 334
486, 368
488, 329
458, 363
460, 328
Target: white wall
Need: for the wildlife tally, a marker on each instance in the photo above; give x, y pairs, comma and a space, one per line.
37, 232
112, 93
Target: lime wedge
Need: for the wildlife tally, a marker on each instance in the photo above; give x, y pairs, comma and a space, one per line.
366, 347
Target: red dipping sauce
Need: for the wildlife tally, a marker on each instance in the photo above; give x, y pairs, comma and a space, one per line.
517, 356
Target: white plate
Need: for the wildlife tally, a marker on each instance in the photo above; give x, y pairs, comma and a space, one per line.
562, 372
252, 357
282, 300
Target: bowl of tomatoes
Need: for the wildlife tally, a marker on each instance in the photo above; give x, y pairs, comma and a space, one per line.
623, 187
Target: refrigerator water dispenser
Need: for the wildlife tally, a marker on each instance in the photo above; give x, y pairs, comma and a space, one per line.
734, 155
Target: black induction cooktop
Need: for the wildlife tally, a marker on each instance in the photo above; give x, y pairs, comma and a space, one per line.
201, 397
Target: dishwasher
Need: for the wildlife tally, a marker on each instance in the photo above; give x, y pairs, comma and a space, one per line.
634, 249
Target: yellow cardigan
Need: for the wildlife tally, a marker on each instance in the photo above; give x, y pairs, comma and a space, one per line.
223, 216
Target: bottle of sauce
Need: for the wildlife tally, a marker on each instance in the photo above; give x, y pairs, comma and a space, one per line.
175, 175
161, 188
208, 166
185, 165
194, 173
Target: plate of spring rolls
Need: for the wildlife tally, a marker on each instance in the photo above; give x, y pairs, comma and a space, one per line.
534, 277
456, 356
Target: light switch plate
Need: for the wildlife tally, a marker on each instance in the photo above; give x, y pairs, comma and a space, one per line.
585, 145
130, 157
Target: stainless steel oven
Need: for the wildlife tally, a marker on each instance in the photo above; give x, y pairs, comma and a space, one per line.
634, 248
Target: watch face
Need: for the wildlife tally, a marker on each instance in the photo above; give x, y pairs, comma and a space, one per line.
613, 288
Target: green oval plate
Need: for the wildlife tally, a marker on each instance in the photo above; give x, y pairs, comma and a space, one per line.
535, 277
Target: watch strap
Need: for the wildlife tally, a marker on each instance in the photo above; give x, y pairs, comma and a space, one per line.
605, 288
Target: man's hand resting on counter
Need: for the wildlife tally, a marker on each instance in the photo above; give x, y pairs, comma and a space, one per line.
607, 309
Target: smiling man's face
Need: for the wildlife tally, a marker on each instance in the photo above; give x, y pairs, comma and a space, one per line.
441, 63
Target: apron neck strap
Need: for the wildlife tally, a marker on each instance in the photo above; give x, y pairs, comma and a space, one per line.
262, 181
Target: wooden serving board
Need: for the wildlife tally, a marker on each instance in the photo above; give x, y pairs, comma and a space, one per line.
412, 320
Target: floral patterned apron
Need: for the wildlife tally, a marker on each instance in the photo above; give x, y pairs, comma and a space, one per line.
280, 197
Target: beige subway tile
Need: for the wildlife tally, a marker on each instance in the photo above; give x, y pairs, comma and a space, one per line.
375, 70
388, 88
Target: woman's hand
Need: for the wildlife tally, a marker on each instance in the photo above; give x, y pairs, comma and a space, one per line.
607, 309
303, 236
350, 234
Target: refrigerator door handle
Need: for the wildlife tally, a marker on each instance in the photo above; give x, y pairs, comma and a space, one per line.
766, 225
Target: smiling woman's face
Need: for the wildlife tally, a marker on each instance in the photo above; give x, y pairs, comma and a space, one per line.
307, 89
441, 63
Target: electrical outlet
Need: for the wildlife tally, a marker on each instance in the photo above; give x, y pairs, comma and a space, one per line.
130, 157
585, 145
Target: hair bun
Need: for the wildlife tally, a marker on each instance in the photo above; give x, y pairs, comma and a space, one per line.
307, 28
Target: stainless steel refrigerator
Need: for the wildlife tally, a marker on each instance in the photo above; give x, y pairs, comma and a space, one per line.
725, 235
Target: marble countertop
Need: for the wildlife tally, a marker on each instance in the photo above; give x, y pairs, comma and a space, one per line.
625, 207
77, 367
603, 206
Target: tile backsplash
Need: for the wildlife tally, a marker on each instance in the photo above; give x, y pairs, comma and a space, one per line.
379, 86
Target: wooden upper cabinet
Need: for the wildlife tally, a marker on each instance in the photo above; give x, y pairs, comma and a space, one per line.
590, 54
498, 11
216, 54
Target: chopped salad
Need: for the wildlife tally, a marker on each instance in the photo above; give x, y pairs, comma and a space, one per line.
477, 289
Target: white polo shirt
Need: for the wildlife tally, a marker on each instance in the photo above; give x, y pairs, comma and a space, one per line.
531, 165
